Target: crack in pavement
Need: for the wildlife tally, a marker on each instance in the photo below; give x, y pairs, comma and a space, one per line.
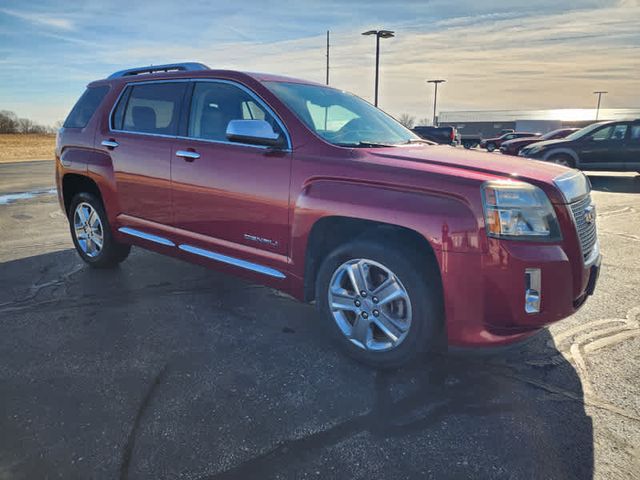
137, 421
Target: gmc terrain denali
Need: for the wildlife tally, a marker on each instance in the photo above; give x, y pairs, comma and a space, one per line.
402, 244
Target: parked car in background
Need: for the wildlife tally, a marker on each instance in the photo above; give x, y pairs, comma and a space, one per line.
492, 143
442, 135
405, 246
613, 146
512, 147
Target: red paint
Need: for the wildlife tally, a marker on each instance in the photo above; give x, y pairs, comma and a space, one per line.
234, 190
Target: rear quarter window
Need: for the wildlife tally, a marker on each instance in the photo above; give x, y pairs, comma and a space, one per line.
85, 107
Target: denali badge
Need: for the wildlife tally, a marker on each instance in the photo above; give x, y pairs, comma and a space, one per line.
264, 241
590, 214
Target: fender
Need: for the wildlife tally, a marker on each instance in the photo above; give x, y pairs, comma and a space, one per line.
446, 222
565, 151
97, 166
100, 170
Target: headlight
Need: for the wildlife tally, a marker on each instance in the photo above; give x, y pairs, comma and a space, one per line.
534, 150
518, 210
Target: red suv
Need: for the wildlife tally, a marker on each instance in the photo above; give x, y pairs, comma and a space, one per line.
405, 246
492, 143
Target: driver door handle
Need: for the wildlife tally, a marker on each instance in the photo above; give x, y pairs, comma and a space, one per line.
187, 155
109, 143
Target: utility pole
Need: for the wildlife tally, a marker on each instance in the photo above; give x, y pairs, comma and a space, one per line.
379, 34
327, 57
599, 93
435, 97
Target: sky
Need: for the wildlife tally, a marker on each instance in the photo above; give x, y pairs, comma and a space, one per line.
494, 54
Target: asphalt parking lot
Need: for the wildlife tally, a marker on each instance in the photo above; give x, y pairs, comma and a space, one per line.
162, 369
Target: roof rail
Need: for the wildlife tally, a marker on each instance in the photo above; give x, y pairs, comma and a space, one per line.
169, 67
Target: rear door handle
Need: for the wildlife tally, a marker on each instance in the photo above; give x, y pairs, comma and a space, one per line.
188, 156
109, 143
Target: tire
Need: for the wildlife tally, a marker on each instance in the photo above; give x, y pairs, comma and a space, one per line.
562, 159
491, 147
111, 253
422, 305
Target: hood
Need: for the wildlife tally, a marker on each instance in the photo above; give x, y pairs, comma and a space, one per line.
546, 143
517, 141
461, 162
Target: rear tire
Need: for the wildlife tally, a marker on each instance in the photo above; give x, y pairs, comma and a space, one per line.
414, 318
91, 233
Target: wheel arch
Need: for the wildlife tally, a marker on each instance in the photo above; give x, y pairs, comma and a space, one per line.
74, 183
563, 151
329, 232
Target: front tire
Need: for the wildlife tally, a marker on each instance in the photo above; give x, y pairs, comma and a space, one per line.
381, 302
91, 233
561, 159
491, 147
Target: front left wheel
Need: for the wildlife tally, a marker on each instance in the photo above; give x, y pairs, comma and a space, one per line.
91, 233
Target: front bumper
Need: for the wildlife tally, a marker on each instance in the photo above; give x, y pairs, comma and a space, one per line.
487, 307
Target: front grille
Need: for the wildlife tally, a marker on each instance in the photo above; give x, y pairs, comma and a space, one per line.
586, 230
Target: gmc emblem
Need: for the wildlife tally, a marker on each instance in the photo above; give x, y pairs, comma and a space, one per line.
590, 214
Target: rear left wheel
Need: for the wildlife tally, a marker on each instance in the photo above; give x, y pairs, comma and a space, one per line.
91, 233
380, 305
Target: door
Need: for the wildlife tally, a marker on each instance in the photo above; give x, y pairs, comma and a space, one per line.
235, 195
632, 149
144, 126
603, 149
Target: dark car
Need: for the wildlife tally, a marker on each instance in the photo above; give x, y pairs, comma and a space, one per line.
405, 246
442, 135
492, 143
512, 147
613, 146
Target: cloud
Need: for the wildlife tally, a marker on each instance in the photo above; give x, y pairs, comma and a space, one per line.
511, 57
47, 20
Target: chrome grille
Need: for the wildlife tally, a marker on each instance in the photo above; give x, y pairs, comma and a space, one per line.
586, 230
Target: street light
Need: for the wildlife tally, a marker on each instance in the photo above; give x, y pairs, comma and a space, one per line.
379, 34
435, 97
599, 93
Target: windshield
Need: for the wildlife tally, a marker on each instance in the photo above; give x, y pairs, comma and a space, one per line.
550, 135
584, 131
341, 118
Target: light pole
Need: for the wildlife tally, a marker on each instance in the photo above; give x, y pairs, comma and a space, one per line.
327, 57
379, 34
435, 97
599, 93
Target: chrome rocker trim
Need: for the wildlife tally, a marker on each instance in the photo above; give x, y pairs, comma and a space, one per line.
236, 262
146, 236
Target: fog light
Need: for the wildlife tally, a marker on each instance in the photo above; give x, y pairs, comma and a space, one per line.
532, 289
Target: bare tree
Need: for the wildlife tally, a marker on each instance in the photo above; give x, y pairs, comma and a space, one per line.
407, 120
424, 121
25, 125
8, 122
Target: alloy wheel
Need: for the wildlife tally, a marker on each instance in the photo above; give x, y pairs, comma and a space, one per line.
88, 229
370, 305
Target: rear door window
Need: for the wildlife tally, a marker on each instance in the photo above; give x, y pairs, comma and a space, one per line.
150, 108
85, 107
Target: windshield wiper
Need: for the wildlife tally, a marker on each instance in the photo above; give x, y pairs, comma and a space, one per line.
366, 144
419, 140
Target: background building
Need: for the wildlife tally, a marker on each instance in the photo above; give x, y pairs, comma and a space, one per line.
488, 124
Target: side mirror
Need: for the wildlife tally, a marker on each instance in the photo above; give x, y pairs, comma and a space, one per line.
254, 132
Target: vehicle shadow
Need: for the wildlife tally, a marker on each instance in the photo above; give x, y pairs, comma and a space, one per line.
161, 369
615, 184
